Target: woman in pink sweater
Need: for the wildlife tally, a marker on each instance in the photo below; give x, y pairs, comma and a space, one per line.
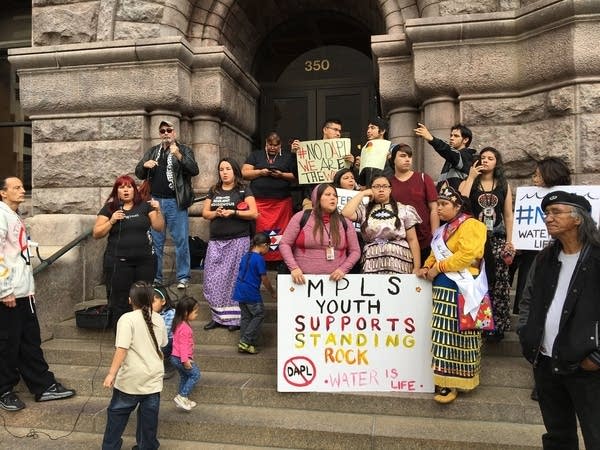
325, 244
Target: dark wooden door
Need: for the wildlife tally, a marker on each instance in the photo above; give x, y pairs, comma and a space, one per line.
327, 82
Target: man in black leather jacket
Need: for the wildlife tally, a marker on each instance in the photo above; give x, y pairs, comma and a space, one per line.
559, 323
169, 167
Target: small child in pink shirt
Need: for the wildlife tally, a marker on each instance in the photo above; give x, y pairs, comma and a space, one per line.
182, 356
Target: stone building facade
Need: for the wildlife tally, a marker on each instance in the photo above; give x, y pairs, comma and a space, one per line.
101, 74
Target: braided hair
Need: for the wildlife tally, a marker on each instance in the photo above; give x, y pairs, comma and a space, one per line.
141, 295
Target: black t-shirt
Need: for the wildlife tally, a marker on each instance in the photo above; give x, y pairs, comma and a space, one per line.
269, 187
130, 237
161, 188
225, 228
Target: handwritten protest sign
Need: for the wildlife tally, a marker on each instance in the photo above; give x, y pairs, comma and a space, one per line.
362, 333
374, 154
318, 161
344, 196
529, 228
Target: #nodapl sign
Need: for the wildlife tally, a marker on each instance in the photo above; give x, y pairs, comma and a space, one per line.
318, 161
362, 333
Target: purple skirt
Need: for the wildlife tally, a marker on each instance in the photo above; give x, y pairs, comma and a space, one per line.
221, 266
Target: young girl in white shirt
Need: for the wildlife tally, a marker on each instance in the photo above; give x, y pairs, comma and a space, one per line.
136, 372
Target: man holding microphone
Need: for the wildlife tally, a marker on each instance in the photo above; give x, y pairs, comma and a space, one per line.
169, 168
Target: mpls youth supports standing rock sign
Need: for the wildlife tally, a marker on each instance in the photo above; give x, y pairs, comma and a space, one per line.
362, 333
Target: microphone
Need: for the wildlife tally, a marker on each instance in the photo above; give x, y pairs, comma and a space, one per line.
120, 205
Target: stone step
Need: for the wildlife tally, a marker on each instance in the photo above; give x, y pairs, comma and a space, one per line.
290, 428
48, 439
219, 336
503, 371
509, 346
487, 402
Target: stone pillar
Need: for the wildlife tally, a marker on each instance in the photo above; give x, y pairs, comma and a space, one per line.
402, 123
439, 114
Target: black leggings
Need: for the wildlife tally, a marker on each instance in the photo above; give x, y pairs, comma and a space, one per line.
123, 274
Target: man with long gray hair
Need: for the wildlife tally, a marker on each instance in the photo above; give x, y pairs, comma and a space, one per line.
559, 323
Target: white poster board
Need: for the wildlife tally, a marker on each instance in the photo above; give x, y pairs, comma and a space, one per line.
529, 228
318, 161
344, 196
374, 154
362, 333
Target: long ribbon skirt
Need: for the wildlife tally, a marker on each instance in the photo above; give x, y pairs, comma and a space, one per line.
273, 216
221, 266
456, 355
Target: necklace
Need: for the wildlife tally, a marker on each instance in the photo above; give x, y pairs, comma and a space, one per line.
488, 202
269, 159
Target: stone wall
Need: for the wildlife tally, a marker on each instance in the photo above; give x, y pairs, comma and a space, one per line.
72, 277
526, 82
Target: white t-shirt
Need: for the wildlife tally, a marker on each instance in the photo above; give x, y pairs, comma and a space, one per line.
142, 370
568, 263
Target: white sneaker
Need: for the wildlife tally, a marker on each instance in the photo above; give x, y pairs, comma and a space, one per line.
183, 284
193, 404
182, 402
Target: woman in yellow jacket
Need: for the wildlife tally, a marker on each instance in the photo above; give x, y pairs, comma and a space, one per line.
456, 246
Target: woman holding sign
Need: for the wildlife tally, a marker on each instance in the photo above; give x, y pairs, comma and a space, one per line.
388, 229
321, 240
457, 249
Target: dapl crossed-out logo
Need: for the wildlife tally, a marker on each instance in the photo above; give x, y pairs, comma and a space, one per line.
299, 371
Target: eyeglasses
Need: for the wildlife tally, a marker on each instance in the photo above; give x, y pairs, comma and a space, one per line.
379, 187
339, 130
553, 213
165, 130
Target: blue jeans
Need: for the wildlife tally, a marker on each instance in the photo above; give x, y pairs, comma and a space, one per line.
187, 377
121, 406
178, 227
252, 318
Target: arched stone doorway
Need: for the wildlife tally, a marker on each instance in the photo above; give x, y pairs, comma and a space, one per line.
314, 66
327, 82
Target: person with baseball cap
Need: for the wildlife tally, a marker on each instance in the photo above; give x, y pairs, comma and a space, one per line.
169, 168
559, 323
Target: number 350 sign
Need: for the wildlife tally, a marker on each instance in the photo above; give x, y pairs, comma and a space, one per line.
316, 65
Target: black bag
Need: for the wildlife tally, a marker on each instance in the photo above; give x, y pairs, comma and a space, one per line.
95, 317
198, 248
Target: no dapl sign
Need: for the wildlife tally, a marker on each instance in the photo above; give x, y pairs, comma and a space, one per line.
299, 371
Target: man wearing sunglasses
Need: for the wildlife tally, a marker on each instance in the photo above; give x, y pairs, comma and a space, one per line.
169, 168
